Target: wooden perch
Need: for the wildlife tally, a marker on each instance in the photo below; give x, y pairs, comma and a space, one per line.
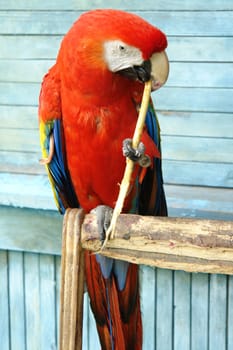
72, 282
194, 245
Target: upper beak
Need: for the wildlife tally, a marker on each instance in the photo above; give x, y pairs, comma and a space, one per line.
159, 69
156, 69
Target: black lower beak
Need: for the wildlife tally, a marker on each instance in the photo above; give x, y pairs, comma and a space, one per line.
141, 73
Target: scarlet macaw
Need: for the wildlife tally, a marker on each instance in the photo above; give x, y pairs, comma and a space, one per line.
88, 106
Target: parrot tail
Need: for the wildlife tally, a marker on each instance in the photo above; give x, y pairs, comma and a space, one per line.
113, 289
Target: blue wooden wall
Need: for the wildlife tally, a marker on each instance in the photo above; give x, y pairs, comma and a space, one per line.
181, 311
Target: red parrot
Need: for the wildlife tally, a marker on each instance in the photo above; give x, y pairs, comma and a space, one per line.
88, 109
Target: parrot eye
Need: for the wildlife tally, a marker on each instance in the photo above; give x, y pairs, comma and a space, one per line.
121, 48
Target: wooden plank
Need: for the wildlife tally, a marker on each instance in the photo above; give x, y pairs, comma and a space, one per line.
181, 73
19, 94
174, 172
198, 74
182, 23
196, 124
20, 140
21, 162
186, 123
21, 190
58, 290
19, 117
44, 235
93, 338
181, 310
4, 302
196, 100
212, 201
32, 301
207, 49
167, 98
164, 309
28, 191
16, 295
47, 302
230, 314
199, 149
199, 314
134, 4
85, 321
148, 310
218, 312
24, 70
29, 46
197, 173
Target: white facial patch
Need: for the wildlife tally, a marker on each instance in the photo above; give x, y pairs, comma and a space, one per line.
119, 55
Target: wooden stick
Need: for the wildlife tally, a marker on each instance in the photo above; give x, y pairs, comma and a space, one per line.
72, 282
125, 183
196, 245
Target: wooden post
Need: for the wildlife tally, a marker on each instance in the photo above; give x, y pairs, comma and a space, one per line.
72, 282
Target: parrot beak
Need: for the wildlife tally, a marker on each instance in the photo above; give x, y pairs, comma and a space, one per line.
159, 69
156, 69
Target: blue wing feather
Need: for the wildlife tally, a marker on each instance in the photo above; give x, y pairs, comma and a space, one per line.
152, 198
57, 169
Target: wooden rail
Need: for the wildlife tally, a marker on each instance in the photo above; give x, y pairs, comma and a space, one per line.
197, 245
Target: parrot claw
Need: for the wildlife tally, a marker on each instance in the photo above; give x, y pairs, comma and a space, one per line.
104, 216
136, 155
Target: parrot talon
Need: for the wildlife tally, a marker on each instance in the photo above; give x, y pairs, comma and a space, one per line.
136, 155
47, 160
104, 216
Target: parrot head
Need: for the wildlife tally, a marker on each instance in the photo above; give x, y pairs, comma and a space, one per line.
111, 45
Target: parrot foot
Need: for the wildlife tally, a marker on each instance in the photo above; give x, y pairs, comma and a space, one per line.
136, 155
47, 160
104, 216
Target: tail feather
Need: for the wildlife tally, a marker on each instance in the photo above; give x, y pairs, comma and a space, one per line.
117, 312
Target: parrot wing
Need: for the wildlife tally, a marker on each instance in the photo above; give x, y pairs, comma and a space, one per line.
151, 194
52, 143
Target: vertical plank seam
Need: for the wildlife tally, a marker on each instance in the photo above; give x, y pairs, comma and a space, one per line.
9, 304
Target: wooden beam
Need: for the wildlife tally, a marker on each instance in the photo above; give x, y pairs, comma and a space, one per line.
194, 245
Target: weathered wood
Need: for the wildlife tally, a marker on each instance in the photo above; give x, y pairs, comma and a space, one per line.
148, 278
180, 48
72, 282
198, 124
16, 300
21, 191
32, 301
47, 305
167, 98
29, 230
217, 312
126, 5
164, 309
175, 172
196, 100
4, 302
182, 310
202, 149
196, 74
199, 311
230, 312
186, 23
179, 244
